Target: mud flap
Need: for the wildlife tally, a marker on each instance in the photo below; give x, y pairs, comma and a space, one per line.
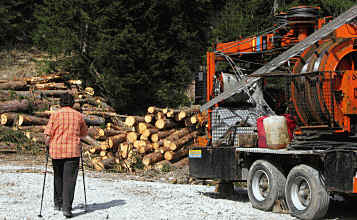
214, 163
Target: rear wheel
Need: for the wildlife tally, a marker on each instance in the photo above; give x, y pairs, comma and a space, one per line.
305, 195
265, 185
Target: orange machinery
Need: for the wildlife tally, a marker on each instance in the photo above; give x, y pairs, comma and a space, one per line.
323, 77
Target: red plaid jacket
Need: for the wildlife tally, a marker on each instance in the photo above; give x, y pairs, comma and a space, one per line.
65, 128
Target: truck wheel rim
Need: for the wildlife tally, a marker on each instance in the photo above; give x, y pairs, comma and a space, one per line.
301, 193
260, 185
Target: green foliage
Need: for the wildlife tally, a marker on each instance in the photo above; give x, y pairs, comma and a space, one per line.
137, 53
16, 22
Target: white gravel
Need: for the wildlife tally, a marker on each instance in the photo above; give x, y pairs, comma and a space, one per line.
21, 187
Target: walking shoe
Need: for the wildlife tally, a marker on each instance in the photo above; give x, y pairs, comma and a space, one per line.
67, 214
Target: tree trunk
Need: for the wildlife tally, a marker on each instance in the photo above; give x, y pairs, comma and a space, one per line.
93, 120
174, 145
152, 158
107, 163
150, 131
9, 118
165, 124
175, 156
96, 132
114, 141
31, 120
90, 141
161, 134
153, 110
13, 85
103, 114
51, 85
14, 106
132, 120
161, 164
149, 118
32, 128
142, 126
131, 137
181, 163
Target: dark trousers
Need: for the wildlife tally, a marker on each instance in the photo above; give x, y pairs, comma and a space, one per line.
65, 178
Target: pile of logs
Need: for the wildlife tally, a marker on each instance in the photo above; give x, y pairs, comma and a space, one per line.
119, 142
160, 138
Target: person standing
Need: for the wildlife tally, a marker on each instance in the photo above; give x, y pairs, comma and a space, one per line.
63, 132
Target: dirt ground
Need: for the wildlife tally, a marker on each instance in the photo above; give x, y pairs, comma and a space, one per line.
174, 175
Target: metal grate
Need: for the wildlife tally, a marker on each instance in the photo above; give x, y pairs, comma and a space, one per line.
223, 119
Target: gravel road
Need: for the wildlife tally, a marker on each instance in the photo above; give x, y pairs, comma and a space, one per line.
115, 198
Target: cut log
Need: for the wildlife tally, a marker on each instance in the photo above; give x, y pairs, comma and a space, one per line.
9, 118
139, 143
51, 85
191, 121
132, 120
156, 145
31, 120
152, 158
112, 132
13, 85
87, 139
165, 124
186, 113
174, 145
181, 163
144, 149
43, 114
160, 115
107, 163
175, 156
178, 134
150, 131
96, 165
142, 126
144, 137
131, 137
32, 128
161, 134
14, 106
149, 118
122, 127
95, 132
44, 79
114, 141
153, 110
125, 148
93, 120
101, 113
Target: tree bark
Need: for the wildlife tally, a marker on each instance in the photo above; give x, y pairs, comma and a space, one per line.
175, 156
153, 109
150, 131
174, 145
161, 134
165, 124
51, 85
13, 85
131, 137
181, 163
31, 120
152, 158
114, 141
93, 120
132, 120
9, 118
14, 106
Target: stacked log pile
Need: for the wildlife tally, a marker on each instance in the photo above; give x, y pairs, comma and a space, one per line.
119, 142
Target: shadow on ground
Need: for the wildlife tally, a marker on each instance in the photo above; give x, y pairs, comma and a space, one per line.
98, 206
342, 210
239, 195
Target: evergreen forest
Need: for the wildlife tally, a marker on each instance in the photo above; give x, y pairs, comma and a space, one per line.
138, 53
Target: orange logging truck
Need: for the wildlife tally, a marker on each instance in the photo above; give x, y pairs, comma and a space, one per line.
282, 110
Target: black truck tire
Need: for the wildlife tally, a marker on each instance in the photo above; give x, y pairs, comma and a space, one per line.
305, 195
266, 184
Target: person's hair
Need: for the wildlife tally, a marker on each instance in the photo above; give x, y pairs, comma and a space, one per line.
66, 100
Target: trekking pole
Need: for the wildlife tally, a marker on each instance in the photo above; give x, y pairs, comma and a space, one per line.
44, 182
84, 183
